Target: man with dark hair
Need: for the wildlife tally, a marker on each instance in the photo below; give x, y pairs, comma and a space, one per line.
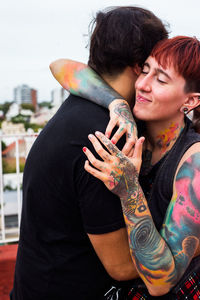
73, 241
123, 36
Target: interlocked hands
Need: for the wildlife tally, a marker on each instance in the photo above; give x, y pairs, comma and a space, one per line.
117, 171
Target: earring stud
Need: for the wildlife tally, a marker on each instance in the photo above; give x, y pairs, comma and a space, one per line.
185, 110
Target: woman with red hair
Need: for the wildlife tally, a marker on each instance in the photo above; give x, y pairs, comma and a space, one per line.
158, 180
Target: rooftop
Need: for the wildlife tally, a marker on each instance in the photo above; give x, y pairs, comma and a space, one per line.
7, 265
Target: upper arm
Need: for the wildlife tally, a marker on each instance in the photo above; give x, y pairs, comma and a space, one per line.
113, 251
103, 221
181, 228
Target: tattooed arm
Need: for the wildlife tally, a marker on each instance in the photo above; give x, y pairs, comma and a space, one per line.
82, 81
160, 258
181, 228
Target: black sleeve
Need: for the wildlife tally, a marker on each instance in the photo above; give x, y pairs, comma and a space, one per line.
100, 209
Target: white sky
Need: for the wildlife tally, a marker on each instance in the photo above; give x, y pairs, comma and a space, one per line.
35, 32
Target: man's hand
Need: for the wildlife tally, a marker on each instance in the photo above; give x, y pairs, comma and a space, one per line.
121, 116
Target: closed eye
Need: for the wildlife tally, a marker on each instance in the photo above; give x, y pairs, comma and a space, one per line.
144, 72
161, 81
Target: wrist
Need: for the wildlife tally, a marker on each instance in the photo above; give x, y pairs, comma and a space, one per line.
115, 102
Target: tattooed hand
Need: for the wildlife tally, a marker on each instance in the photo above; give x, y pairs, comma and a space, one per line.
121, 116
116, 170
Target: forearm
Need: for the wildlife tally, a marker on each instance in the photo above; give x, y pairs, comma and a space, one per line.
81, 80
150, 253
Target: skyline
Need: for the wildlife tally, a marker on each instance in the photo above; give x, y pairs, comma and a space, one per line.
35, 33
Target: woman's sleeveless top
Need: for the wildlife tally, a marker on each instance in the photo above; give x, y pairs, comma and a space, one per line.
158, 183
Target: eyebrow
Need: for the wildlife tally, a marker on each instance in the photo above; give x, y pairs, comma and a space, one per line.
164, 73
158, 70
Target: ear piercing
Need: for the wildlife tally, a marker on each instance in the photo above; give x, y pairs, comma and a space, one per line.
185, 110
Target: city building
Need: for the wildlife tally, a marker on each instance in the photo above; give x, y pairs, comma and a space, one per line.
34, 98
24, 94
13, 111
11, 128
10, 151
58, 96
42, 116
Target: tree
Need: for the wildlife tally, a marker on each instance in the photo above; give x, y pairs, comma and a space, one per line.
5, 107
3, 146
45, 104
20, 119
28, 106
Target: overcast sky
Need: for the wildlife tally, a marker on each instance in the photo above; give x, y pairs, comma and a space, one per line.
35, 32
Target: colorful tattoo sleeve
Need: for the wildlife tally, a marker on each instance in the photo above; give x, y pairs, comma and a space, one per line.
181, 228
162, 258
82, 81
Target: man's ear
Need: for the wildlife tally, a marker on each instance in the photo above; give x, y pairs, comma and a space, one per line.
137, 69
193, 100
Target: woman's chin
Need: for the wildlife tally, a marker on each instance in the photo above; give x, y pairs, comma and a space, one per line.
143, 116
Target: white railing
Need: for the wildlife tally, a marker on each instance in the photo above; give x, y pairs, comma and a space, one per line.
8, 234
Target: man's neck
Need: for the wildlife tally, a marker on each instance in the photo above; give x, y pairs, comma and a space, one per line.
124, 84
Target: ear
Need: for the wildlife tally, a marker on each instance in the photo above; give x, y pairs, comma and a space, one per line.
193, 100
137, 69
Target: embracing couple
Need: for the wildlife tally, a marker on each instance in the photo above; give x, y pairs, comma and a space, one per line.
107, 221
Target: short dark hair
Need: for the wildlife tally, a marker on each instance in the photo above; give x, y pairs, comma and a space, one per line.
123, 36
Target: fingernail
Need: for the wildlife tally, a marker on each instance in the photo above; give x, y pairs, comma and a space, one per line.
113, 142
90, 136
84, 149
97, 133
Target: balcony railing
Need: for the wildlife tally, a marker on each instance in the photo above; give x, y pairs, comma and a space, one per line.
10, 218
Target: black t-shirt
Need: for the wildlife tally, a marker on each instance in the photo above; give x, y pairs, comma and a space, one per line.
61, 204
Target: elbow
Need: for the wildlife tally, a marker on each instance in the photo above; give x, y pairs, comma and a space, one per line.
56, 65
53, 64
122, 274
119, 277
158, 291
52, 67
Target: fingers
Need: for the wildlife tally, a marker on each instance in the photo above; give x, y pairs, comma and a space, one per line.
95, 173
131, 138
138, 148
110, 127
118, 134
130, 153
99, 149
107, 143
130, 142
95, 162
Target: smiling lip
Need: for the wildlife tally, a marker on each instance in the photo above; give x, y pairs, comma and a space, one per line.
141, 99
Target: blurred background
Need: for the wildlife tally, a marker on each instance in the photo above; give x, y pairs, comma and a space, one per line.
32, 35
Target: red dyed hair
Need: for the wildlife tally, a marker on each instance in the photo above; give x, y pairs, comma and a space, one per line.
183, 53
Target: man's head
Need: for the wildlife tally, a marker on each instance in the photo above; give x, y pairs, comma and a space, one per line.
122, 37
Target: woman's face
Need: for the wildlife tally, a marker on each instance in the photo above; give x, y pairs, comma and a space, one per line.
159, 93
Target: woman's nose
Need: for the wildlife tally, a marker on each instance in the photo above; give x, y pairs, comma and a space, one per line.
143, 83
